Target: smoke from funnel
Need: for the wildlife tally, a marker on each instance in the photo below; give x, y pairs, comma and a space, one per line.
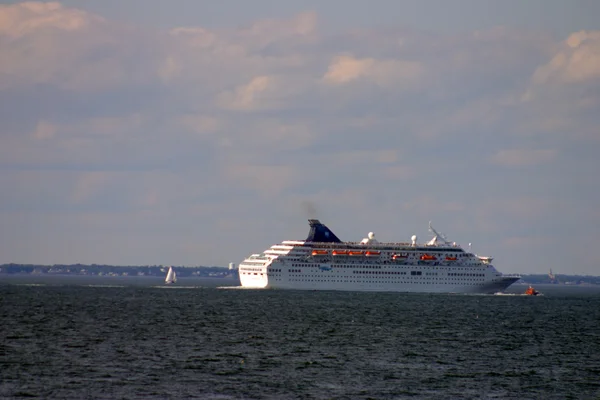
310, 209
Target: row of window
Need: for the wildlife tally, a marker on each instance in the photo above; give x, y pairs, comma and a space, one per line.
362, 265
416, 274
297, 271
381, 272
375, 281
371, 272
374, 266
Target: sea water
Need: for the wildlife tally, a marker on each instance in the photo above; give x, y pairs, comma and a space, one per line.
83, 340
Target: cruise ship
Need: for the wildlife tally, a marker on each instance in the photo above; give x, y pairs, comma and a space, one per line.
324, 262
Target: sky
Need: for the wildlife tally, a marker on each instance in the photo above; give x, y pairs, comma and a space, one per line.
196, 133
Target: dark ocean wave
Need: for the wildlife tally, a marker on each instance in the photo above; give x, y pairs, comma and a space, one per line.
142, 342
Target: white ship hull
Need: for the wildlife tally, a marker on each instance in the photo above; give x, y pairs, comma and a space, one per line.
333, 280
371, 266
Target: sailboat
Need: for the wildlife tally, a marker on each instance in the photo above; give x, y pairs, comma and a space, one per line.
171, 276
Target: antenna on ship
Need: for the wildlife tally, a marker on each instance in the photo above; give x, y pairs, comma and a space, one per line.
437, 235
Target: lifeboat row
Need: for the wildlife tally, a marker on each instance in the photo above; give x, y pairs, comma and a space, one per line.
400, 256
346, 253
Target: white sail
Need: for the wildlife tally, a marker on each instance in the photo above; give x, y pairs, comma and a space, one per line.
171, 276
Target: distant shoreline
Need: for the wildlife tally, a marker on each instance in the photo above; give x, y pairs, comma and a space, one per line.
221, 272
113, 270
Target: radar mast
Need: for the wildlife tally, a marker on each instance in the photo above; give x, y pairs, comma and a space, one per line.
438, 235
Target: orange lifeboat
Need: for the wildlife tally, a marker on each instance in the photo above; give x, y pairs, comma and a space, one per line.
355, 253
373, 253
401, 256
319, 252
428, 257
340, 252
450, 258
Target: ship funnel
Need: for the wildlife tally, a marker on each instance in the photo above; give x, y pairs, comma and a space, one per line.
320, 233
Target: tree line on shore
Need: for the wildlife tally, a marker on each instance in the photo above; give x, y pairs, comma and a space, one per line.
97, 269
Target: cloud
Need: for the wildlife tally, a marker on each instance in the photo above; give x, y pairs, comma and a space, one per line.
112, 128
47, 43
225, 58
523, 157
345, 69
303, 24
246, 97
45, 130
562, 95
30, 17
200, 124
577, 61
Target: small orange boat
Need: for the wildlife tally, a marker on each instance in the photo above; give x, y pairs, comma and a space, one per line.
319, 252
373, 253
450, 258
428, 257
531, 291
